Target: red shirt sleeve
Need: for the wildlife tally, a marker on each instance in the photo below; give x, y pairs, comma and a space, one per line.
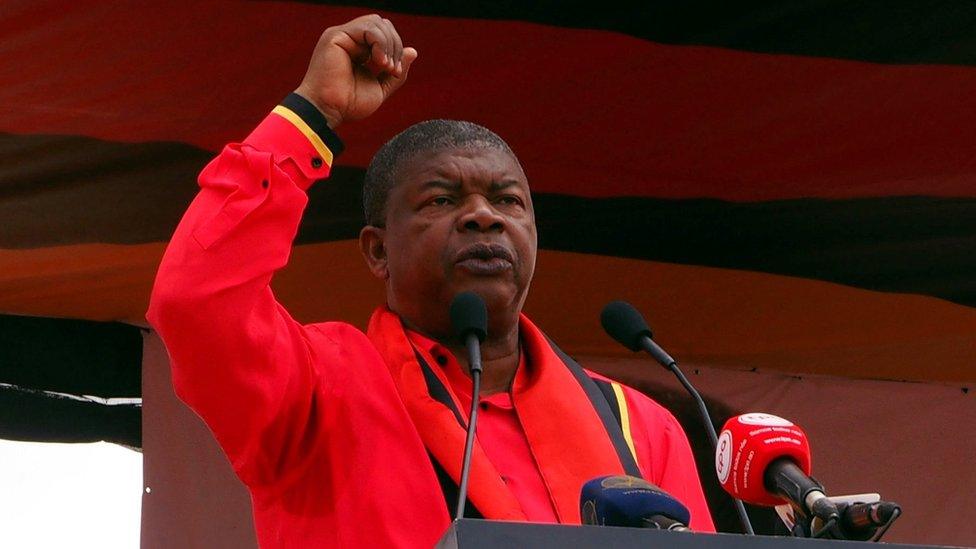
239, 360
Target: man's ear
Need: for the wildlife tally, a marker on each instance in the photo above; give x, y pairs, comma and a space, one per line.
373, 247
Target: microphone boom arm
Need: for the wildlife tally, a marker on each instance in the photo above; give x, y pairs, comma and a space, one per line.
473, 345
665, 359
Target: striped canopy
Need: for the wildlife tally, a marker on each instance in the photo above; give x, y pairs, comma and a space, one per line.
781, 187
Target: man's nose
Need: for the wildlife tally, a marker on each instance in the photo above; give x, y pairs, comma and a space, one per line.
479, 215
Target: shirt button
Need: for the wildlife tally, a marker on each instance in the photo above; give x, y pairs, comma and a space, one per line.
484, 405
441, 359
316, 162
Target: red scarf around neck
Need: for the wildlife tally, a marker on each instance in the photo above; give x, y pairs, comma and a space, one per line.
567, 438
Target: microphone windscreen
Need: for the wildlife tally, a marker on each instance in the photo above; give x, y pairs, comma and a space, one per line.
626, 501
747, 445
469, 316
625, 324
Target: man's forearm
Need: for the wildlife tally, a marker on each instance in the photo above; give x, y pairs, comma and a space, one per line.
228, 339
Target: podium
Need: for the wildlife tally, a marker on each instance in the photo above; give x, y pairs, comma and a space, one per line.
490, 534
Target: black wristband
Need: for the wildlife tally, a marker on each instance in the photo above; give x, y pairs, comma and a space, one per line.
311, 115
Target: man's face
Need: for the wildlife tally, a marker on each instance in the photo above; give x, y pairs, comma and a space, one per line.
458, 219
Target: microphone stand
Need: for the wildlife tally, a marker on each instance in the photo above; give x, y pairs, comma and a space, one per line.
664, 358
473, 346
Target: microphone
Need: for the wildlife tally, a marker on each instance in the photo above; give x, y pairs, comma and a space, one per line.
861, 521
469, 319
860, 516
626, 325
765, 460
632, 502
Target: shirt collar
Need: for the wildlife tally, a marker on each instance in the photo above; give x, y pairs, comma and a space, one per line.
445, 360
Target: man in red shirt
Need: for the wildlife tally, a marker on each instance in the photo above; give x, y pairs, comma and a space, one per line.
345, 438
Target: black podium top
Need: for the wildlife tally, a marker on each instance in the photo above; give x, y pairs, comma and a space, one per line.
490, 534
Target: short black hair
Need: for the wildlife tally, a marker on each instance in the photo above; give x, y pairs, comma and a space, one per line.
430, 135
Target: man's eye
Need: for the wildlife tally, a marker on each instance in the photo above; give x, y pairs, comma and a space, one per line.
509, 200
441, 201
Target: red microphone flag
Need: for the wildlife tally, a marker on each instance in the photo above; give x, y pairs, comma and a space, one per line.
747, 445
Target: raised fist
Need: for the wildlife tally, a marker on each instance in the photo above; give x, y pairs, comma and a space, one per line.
355, 67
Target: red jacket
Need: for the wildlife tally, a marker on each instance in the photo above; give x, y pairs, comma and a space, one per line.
309, 416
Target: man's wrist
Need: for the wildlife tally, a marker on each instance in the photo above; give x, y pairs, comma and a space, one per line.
332, 116
298, 137
312, 122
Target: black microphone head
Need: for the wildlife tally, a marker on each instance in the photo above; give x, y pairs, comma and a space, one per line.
625, 324
886, 510
469, 315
